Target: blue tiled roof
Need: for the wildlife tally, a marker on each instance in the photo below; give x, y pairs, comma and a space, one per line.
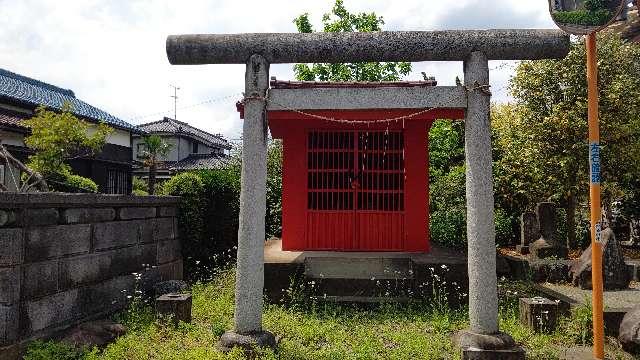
29, 91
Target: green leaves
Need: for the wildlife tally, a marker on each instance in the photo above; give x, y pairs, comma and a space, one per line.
60, 136
341, 20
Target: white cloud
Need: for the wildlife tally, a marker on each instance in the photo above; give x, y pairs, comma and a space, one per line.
112, 53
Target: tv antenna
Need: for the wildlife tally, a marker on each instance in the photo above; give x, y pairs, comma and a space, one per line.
175, 101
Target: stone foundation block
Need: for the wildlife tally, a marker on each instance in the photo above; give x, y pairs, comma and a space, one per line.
39, 217
50, 311
249, 342
9, 324
171, 271
10, 279
164, 229
84, 269
40, 279
168, 251
149, 254
498, 346
11, 243
107, 296
166, 211
87, 215
115, 234
176, 306
539, 314
129, 213
55, 241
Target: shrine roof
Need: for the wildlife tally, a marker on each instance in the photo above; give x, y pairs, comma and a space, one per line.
285, 84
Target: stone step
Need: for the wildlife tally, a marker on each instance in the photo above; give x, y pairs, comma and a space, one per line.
360, 287
358, 267
363, 299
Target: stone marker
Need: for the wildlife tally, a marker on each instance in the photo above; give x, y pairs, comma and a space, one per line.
178, 306
529, 231
169, 287
629, 334
615, 274
547, 245
539, 314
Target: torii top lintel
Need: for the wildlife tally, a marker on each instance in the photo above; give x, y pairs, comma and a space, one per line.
450, 45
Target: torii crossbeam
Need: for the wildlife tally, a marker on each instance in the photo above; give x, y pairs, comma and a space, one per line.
474, 47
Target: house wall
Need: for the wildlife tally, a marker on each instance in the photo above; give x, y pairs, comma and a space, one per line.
181, 147
117, 137
68, 258
11, 138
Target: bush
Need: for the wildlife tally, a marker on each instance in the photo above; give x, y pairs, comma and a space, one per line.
504, 223
82, 183
190, 188
139, 186
139, 192
449, 228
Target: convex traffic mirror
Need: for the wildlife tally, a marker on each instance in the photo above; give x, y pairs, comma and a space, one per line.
581, 17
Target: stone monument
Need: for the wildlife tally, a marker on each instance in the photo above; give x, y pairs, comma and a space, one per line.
615, 275
547, 245
529, 231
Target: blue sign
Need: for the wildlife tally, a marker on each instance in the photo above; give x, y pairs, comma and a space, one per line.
594, 162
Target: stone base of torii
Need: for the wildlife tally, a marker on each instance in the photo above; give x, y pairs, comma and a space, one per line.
474, 47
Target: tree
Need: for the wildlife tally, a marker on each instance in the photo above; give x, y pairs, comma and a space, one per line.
154, 149
541, 139
58, 137
340, 20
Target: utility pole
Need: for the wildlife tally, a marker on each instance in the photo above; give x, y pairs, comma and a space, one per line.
175, 101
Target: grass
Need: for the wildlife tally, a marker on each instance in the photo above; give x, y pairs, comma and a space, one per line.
314, 330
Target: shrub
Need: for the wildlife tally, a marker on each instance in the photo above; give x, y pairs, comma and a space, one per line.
190, 188
139, 192
139, 186
83, 183
41, 350
504, 224
449, 228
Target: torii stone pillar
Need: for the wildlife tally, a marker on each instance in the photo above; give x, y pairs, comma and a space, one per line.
474, 47
247, 330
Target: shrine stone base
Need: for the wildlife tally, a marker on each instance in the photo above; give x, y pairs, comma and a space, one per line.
500, 346
249, 342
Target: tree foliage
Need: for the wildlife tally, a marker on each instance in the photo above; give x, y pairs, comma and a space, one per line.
541, 139
341, 20
155, 148
60, 136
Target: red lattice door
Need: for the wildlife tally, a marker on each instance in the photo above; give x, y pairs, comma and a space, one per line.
355, 190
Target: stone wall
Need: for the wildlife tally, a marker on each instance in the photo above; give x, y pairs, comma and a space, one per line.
66, 258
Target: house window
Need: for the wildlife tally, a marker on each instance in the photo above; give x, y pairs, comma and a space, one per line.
117, 181
141, 150
195, 147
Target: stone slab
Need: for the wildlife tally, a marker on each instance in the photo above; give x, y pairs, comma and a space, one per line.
168, 251
13, 200
49, 311
54, 241
9, 321
87, 215
167, 211
39, 279
10, 279
38, 217
130, 213
11, 243
347, 267
115, 234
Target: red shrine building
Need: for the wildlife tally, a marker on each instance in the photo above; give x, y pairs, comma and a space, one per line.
355, 163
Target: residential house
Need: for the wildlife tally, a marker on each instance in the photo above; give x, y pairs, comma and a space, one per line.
191, 148
20, 95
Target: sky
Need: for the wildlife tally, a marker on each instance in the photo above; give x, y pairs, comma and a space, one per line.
111, 53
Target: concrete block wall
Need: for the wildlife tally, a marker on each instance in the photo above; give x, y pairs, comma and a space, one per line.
66, 258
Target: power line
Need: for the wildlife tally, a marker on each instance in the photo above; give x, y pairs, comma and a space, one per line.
208, 101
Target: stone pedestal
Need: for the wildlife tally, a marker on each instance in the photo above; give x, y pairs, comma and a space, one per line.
178, 306
499, 346
248, 341
539, 314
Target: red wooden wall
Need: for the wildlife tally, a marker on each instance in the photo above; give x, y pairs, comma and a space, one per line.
316, 212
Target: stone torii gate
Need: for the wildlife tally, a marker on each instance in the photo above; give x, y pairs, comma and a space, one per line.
473, 47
